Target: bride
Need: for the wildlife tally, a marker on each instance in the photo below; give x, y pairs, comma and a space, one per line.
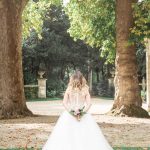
75, 128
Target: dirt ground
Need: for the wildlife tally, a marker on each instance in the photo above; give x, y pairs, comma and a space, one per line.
34, 131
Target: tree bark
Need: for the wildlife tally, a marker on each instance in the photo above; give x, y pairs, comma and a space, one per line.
90, 81
12, 98
97, 76
147, 43
128, 101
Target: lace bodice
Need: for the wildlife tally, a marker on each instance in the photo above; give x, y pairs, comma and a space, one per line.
74, 100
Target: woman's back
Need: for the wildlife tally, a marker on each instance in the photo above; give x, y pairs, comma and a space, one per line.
76, 98
76, 129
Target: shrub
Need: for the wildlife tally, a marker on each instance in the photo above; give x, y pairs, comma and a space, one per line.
55, 88
102, 89
31, 92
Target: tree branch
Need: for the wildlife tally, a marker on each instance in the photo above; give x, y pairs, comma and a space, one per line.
24, 3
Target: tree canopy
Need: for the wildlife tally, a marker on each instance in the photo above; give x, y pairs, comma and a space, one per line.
95, 26
34, 13
141, 29
94, 22
59, 53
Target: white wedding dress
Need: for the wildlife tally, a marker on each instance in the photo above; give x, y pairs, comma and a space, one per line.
71, 134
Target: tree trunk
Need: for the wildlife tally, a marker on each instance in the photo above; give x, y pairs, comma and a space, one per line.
12, 99
147, 43
97, 76
128, 101
90, 82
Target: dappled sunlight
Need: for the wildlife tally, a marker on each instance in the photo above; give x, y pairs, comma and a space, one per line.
75, 66
34, 131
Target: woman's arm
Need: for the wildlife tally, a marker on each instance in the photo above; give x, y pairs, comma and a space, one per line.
88, 102
66, 101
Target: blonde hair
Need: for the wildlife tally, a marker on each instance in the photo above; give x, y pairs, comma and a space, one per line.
77, 81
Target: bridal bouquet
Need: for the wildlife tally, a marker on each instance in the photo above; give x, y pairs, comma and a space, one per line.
78, 113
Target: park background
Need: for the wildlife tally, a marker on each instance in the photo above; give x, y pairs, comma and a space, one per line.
43, 42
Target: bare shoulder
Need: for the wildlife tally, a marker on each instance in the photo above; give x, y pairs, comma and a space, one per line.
85, 89
68, 90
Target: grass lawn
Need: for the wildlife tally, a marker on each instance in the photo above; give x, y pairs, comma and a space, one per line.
60, 98
105, 98
44, 99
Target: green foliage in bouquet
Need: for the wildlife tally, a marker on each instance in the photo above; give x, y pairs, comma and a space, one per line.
80, 112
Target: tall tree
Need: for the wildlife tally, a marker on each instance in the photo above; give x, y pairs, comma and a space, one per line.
127, 93
96, 27
12, 99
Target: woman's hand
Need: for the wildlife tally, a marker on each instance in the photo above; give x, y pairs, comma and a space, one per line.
77, 113
78, 117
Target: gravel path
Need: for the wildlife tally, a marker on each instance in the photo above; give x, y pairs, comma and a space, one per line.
34, 131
